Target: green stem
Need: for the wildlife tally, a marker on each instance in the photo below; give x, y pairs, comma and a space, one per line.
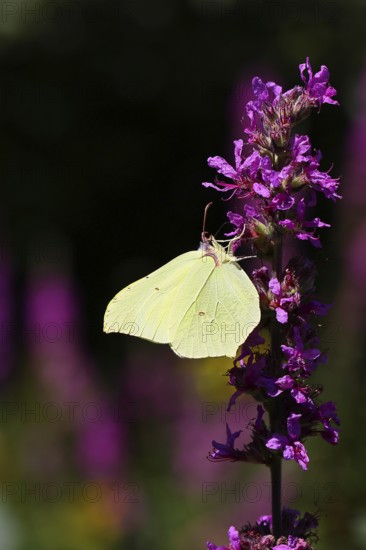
276, 479
275, 410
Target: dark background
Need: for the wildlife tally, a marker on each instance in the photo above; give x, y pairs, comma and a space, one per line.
109, 111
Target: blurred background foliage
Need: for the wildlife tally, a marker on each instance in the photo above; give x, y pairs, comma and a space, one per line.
109, 110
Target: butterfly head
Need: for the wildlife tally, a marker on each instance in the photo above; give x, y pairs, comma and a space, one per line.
211, 248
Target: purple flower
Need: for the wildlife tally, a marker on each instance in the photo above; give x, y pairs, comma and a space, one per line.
314, 307
224, 168
298, 393
285, 383
293, 543
227, 451
298, 358
326, 414
248, 226
320, 181
300, 148
296, 530
292, 448
212, 546
282, 302
253, 177
243, 175
249, 372
283, 201
303, 170
248, 379
296, 451
293, 426
254, 452
295, 526
253, 341
264, 92
261, 190
237, 220
234, 539
265, 522
233, 535
298, 225
317, 86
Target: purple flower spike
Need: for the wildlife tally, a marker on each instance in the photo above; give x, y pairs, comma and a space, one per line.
274, 187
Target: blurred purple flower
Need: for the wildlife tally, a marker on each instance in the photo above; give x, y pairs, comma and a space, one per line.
62, 364
53, 325
99, 446
6, 319
150, 382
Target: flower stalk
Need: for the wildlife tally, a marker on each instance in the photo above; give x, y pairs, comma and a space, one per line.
275, 405
277, 181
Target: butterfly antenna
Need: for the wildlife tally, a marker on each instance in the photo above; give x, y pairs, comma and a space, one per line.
204, 235
218, 231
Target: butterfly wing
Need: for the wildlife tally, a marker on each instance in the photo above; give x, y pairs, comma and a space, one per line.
222, 315
203, 305
150, 307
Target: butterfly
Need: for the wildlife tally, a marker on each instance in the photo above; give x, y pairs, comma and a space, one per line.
201, 303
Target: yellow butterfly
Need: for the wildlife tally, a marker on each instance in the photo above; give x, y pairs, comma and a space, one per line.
201, 303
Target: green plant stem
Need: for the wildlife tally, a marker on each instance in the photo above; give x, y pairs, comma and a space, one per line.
276, 479
275, 410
